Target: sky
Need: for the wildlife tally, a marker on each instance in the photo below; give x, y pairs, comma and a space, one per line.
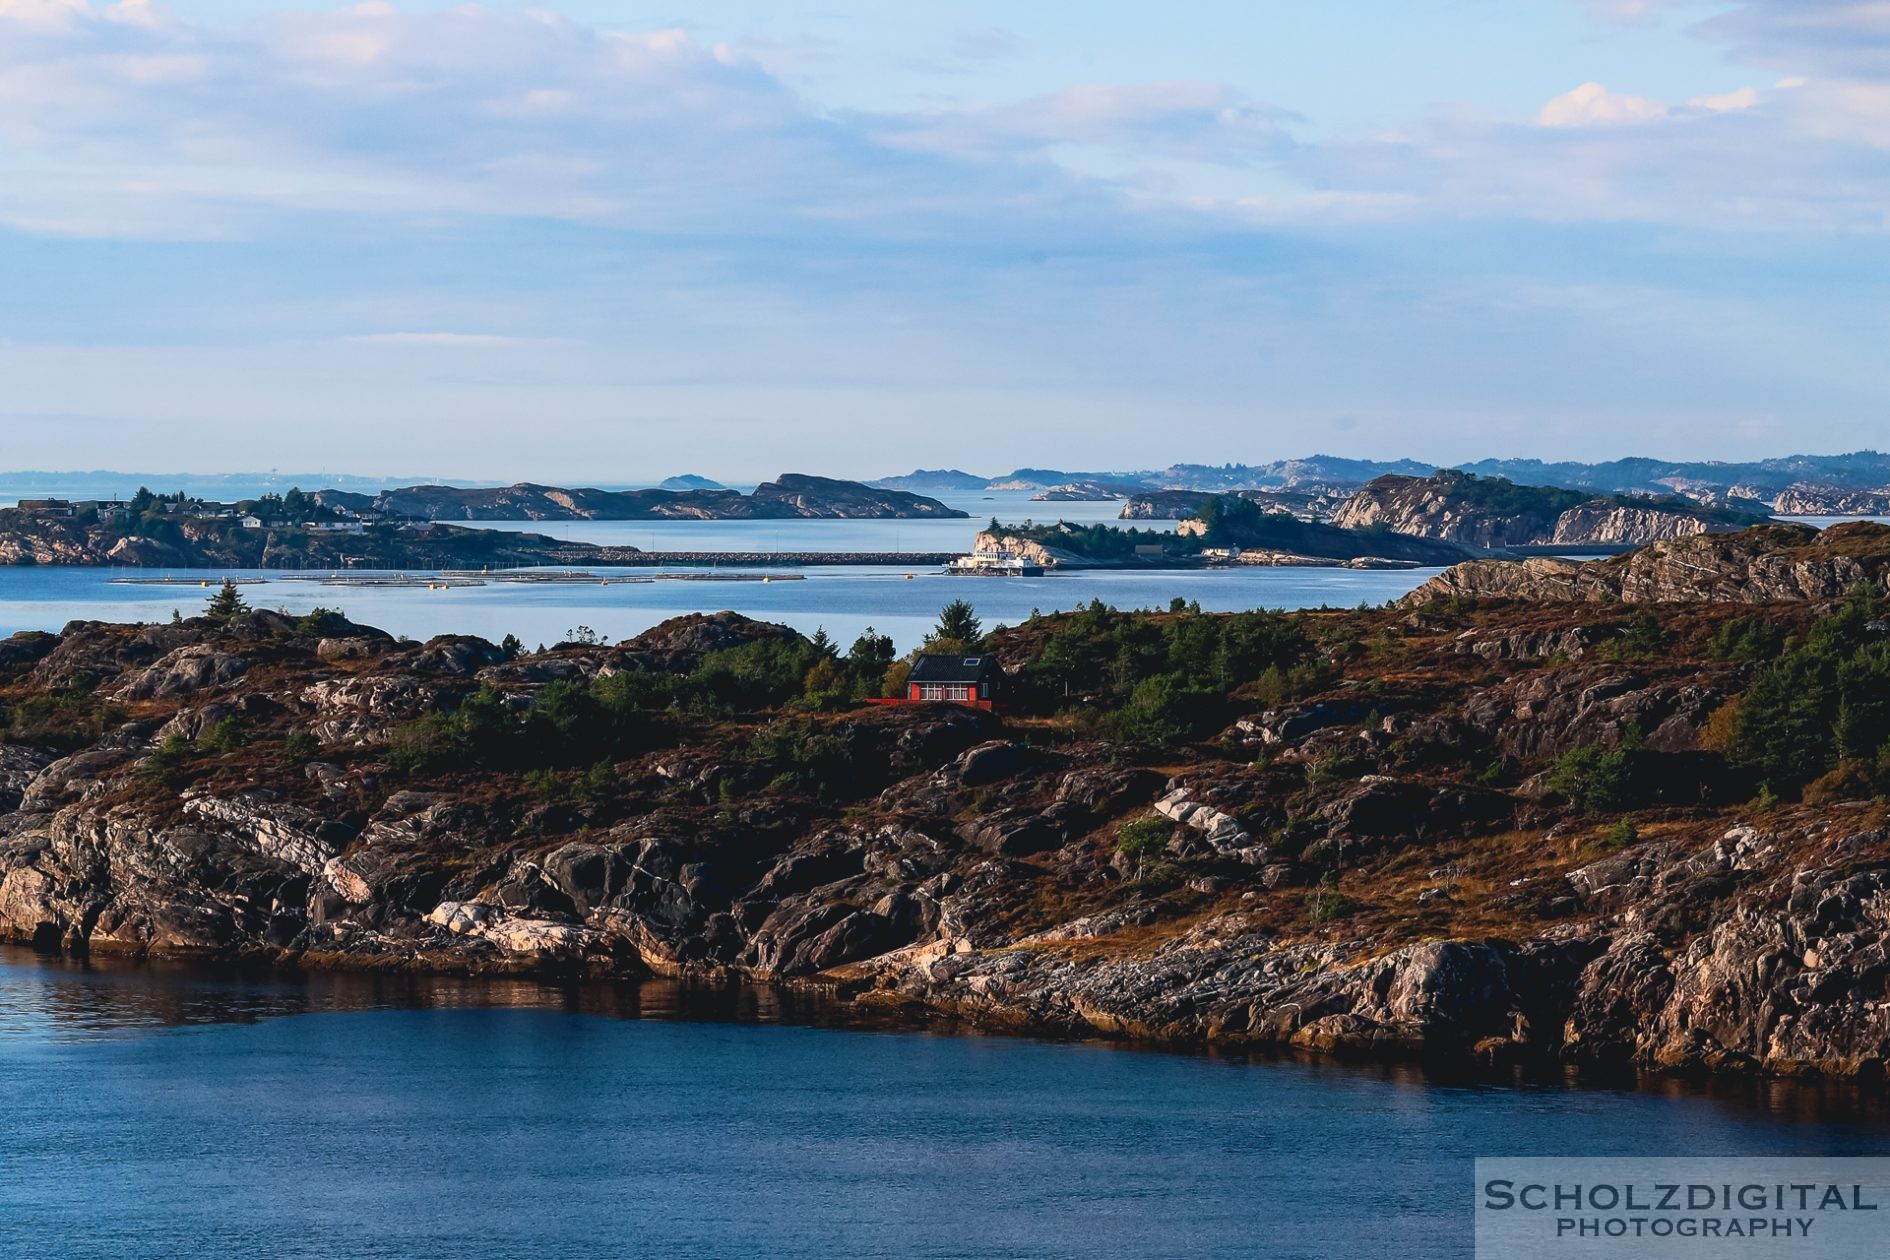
611, 241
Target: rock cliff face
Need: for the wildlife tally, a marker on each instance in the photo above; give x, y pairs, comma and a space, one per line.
1814, 500
249, 790
1755, 566
1602, 522
1163, 505
1494, 514
1003, 543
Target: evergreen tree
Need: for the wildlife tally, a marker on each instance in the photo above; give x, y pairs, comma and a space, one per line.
958, 623
227, 603
870, 654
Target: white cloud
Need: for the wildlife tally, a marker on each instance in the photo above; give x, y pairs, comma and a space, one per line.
152, 127
45, 15
1194, 120
1591, 104
1743, 98
121, 121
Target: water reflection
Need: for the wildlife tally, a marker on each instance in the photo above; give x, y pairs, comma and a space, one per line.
52, 999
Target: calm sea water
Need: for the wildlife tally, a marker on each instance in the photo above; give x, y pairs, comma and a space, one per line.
155, 1112
843, 600
1008, 506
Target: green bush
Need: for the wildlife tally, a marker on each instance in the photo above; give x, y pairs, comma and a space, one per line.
225, 736
300, 746
1747, 639
1621, 835
167, 761
1643, 639
1325, 903
1594, 780
1143, 836
66, 720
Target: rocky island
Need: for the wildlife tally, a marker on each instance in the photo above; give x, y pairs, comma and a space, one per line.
409, 529
1758, 565
183, 540
1493, 513
791, 496
1595, 833
1220, 529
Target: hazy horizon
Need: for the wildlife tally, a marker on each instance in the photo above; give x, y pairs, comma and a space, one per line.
160, 481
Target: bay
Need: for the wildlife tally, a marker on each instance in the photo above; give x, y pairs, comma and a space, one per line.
843, 600
165, 1111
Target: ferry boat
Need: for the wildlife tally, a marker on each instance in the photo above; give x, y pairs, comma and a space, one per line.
995, 564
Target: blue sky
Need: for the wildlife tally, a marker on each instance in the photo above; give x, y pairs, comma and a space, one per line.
608, 241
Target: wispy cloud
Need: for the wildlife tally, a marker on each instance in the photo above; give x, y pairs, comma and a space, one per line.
667, 234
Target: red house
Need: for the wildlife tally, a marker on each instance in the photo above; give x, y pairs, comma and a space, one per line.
972, 680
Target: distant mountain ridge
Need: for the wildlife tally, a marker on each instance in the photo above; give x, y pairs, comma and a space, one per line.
1858, 481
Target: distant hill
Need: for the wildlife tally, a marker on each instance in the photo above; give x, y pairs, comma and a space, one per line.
1854, 483
933, 481
224, 487
1492, 512
1859, 470
790, 496
689, 481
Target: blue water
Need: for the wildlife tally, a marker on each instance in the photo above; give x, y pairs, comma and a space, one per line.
843, 600
952, 534
157, 1112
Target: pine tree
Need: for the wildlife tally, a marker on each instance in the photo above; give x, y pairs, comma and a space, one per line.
958, 624
227, 603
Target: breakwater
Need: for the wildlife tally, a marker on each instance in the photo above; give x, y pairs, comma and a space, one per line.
632, 558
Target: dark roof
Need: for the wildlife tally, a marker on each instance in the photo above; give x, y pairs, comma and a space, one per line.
953, 669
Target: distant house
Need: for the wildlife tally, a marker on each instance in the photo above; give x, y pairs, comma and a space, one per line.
48, 507
256, 522
334, 527
973, 680
1150, 549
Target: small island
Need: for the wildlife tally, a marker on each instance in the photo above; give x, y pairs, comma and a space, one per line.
791, 496
409, 528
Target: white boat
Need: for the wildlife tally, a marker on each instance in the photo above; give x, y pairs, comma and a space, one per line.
994, 564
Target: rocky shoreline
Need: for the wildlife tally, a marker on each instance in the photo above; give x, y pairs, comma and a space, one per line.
1393, 861
1765, 564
